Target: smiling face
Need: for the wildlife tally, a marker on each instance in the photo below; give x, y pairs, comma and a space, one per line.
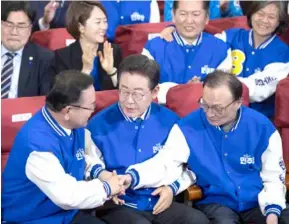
266, 20
77, 116
95, 27
190, 19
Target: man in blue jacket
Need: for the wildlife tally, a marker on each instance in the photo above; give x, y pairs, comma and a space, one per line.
193, 53
44, 180
132, 131
235, 153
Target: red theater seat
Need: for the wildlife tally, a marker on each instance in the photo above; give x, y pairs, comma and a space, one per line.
15, 112
183, 99
282, 119
132, 38
52, 39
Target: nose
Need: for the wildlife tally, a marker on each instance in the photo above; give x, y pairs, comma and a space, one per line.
14, 30
265, 19
210, 113
190, 18
130, 99
103, 25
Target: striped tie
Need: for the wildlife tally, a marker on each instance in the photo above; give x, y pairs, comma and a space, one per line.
6, 75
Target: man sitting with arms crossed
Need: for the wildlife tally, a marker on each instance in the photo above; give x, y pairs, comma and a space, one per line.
235, 152
47, 164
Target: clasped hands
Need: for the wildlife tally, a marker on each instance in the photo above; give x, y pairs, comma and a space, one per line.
120, 183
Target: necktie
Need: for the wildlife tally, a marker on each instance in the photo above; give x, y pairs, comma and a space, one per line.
6, 75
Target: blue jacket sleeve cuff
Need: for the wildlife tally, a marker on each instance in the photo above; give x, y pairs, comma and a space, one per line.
107, 188
175, 187
134, 177
273, 209
95, 171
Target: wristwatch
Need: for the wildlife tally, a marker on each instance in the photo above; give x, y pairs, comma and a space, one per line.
114, 72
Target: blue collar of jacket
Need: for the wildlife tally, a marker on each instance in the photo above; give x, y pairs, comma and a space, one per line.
264, 44
53, 123
180, 40
144, 116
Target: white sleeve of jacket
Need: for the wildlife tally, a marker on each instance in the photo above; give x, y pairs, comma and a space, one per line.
155, 12
147, 53
165, 167
46, 172
186, 179
263, 84
226, 64
93, 158
272, 197
222, 36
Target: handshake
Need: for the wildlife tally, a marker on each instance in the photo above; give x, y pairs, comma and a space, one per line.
118, 185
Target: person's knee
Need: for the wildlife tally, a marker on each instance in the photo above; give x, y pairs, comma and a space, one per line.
192, 216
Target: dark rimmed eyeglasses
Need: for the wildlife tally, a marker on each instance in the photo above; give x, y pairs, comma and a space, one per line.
84, 108
136, 96
218, 110
9, 25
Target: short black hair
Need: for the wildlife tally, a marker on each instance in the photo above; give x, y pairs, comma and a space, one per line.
143, 66
67, 88
15, 6
206, 5
219, 78
283, 16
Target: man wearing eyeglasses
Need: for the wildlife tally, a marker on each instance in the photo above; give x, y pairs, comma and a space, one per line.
48, 170
235, 153
23, 64
132, 131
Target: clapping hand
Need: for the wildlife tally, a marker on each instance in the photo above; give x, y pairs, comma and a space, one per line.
49, 11
106, 58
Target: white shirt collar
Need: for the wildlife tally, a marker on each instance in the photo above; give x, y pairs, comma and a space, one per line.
144, 116
68, 131
4, 50
187, 43
141, 117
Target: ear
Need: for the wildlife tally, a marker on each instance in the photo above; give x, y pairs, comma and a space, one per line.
30, 30
155, 92
173, 16
65, 112
80, 28
239, 103
207, 18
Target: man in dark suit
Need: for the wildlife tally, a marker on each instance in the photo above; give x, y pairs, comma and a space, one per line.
23, 64
49, 14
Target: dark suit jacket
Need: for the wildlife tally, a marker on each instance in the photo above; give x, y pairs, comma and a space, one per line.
71, 58
34, 79
59, 18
